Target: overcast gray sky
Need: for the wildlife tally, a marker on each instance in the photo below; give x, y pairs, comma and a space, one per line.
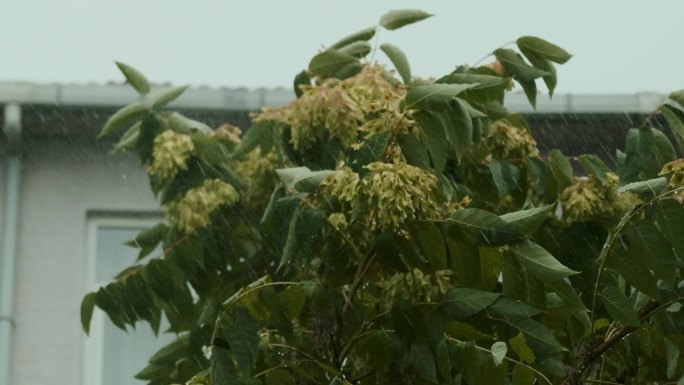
619, 46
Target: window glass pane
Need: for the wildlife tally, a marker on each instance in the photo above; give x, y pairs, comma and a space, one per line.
123, 354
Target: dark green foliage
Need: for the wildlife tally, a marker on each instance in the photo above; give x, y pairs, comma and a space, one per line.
431, 245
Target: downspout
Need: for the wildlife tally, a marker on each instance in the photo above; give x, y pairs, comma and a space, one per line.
8, 242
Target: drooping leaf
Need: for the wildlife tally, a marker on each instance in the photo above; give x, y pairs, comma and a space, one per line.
180, 123
289, 175
519, 284
489, 88
432, 244
593, 165
675, 120
543, 49
619, 306
436, 97
670, 219
538, 336
522, 376
302, 235
520, 347
415, 152
362, 35
124, 117
515, 66
398, 18
129, 140
423, 361
172, 351
488, 228
148, 239
327, 63
499, 350
505, 307
638, 151
261, 134
528, 221
372, 149
561, 168
399, 60
241, 332
463, 302
134, 78
434, 137
87, 307
649, 242
633, 269
678, 96
539, 262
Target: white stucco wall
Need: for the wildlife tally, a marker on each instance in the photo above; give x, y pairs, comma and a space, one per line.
62, 181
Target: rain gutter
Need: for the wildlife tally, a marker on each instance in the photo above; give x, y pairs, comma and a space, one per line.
8, 241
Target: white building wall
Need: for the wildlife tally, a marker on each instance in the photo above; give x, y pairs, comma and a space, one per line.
62, 180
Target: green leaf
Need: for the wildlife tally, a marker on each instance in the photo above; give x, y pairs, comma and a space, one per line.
87, 307
177, 122
436, 97
647, 188
423, 361
538, 336
289, 175
241, 332
518, 283
443, 361
434, 137
508, 308
530, 89
415, 152
159, 99
520, 347
542, 265
489, 228
399, 60
362, 35
302, 235
670, 219
124, 118
675, 120
309, 183
522, 376
499, 350
672, 352
561, 168
129, 140
358, 49
638, 151
372, 149
148, 240
634, 270
528, 221
432, 244
678, 96
464, 331
593, 165
515, 66
327, 63
545, 65
489, 88
463, 302
172, 351
649, 242
292, 300
619, 306
398, 18
261, 134
134, 78
543, 49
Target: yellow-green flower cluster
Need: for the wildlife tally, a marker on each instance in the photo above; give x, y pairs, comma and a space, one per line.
229, 132
194, 210
367, 101
415, 286
509, 142
399, 192
338, 221
171, 152
257, 170
342, 185
676, 168
588, 199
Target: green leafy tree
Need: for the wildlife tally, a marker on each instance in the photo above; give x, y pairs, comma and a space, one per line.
387, 229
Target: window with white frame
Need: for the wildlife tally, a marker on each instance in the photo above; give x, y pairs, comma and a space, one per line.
112, 356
